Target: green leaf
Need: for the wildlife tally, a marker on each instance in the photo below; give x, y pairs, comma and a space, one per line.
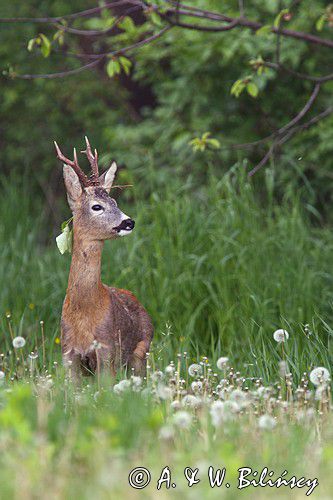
113, 68
126, 64
127, 24
320, 22
155, 19
59, 36
237, 88
277, 20
66, 223
45, 45
214, 143
252, 89
264, 30
31, 44
64, 240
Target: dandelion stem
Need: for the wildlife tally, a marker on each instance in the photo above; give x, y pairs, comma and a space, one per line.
43, 341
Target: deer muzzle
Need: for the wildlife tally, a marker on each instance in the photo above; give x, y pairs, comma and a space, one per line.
125, 227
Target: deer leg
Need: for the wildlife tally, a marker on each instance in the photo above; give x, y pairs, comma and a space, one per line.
105, 362
138, 358
72, 363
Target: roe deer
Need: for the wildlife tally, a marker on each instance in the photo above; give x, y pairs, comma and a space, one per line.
101, 327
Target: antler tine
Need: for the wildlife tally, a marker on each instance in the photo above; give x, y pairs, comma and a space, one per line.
93, 160
74, 164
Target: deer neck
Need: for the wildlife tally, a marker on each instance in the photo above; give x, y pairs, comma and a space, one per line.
84, 282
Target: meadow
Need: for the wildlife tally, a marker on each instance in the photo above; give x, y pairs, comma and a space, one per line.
219, 268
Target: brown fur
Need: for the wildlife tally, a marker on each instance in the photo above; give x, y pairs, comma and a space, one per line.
93, 311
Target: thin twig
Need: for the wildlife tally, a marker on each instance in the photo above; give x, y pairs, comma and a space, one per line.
96, 58
74, 15
61, 74
288, 136
303, 76
287, 126
244, 22
107, 31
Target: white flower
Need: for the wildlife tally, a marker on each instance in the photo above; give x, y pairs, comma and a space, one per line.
280, 335
18, 342
182, 419
266, 422
33, 355
169, 370
191, 401
164, 392
319, 375
122, 386
222, 363
166, 433
194, 370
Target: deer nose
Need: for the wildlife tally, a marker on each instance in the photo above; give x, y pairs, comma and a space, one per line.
127, 225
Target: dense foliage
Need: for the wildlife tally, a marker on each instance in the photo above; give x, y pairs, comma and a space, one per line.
178, 89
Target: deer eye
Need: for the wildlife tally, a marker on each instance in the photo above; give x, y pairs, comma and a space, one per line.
96, 208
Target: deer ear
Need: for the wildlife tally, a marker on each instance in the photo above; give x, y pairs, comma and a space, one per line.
107, 178
73, 185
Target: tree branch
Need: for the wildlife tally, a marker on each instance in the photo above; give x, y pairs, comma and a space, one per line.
75, 15
283, 134
97, 58
302, 76
242, 21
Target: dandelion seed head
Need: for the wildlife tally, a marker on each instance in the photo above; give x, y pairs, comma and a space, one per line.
182, 419
319, 375
96, 345
136, 383
239, 397
218, 413
191, 401
166, 433
195, 370
175, 405
266, 422
280, 335
122, 386
196, 386
2, 375
157, 376
164, 392
18, 342
169, 370
222, 363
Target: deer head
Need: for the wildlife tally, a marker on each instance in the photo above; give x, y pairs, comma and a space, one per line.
95, 214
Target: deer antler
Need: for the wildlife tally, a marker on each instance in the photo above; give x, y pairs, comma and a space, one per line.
84, 179
93, 160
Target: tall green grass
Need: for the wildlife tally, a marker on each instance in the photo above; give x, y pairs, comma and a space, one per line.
218, 267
